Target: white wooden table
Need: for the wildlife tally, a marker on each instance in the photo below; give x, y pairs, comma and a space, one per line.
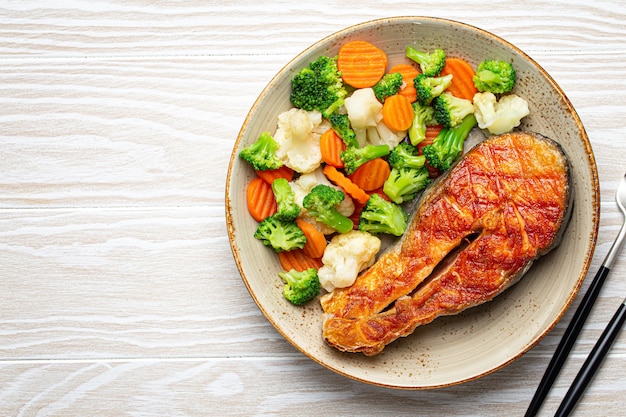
119, 293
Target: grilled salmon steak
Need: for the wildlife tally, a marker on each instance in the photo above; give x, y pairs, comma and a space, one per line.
476, 230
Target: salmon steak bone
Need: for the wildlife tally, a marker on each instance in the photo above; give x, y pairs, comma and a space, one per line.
475, 231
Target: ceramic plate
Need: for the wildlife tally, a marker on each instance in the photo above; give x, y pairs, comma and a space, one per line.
450, 350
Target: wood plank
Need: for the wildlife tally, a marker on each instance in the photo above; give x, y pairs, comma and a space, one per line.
270, 386
125, 283
221, 28
120, 132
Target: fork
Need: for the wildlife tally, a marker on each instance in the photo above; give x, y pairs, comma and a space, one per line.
575, 326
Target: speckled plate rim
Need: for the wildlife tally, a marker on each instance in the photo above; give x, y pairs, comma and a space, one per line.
590, 161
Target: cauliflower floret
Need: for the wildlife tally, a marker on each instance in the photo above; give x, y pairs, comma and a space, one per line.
304, 184
346, 255
383, 135
499, 116
365, 113
298, 137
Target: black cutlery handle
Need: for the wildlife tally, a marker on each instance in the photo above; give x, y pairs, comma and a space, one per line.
567, 341
593, 362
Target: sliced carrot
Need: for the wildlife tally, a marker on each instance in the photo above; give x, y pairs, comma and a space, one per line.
371, 175
462, 85
315, 240
361, 63
260, 199
409, 72
397, 112
297, 259
331, 146
271, 174
353, 190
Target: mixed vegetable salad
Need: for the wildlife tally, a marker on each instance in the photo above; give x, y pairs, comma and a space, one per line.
361, 142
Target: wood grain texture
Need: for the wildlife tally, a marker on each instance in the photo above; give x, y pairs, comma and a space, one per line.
120, 295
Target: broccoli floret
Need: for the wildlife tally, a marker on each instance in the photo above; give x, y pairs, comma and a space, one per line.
280, 235
431, 63
319, 87
495, 76
404, 183
423, 115
406, 155
388, 85
354, 157
448, 145
382, 216
262, 153
450, 110
322, 202
430, 87
287, 209
341, 124
300, 286
408, 175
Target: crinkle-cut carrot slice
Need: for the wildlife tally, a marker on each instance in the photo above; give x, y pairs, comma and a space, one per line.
398, 112
271, 174
361, 63
462, 85
331, 146
353, 190
408, 72
260, 199
297, 259
315, 240
371, 175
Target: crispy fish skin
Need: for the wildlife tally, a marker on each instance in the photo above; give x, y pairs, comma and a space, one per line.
510, 194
